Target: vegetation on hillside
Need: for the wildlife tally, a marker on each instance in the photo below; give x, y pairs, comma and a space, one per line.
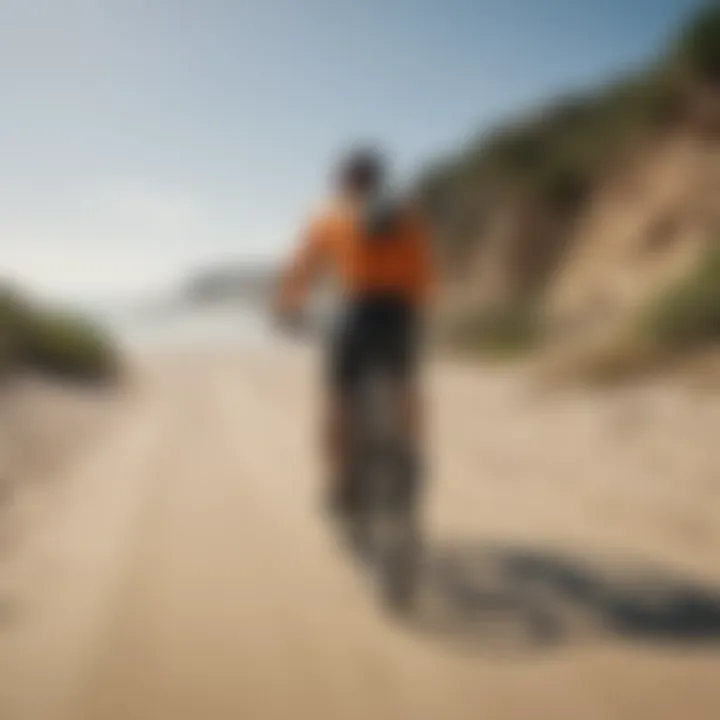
540, 170
504, 331
554, 157
687, 314
681, 320
53, 342
698, 49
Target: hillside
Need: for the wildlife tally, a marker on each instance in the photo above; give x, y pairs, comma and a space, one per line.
585, 210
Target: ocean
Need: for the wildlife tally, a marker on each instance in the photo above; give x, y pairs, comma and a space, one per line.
160, 327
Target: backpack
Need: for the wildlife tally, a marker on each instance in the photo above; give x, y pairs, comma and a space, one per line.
380, 217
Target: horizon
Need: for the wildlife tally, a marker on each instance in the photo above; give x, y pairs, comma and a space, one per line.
144, 141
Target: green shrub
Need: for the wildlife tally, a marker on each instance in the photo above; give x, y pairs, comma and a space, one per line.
13, 322
679, 320
564, 184
688, 314
502, 331
53, 342
699, 45
69, 346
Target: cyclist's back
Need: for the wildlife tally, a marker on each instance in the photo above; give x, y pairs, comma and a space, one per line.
395, 262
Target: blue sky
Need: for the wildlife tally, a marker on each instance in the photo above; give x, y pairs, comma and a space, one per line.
141, 137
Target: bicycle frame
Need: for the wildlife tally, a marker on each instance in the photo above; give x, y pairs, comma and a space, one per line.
384, 524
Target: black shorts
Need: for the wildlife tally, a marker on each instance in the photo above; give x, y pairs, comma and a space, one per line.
375, 331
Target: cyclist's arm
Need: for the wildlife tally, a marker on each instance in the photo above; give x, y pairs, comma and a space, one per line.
298, 276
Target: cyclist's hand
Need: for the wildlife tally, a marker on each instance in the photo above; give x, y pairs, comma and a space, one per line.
288, 320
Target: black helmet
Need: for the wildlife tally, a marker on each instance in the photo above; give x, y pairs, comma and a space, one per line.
362, 169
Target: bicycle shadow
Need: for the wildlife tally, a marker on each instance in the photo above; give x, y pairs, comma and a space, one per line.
490, 597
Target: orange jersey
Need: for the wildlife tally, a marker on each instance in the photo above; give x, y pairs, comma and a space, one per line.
400, 264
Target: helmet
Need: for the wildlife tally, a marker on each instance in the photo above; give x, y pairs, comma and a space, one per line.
363, 170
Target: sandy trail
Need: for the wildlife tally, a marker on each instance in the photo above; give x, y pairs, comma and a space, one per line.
571, 569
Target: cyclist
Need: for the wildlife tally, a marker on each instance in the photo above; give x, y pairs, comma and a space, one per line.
380, 254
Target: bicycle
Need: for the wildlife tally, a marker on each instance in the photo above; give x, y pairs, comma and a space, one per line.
383, 524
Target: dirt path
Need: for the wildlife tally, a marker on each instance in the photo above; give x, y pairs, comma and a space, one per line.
571, 568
